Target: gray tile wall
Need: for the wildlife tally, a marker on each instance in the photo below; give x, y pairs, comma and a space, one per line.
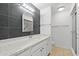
11, 21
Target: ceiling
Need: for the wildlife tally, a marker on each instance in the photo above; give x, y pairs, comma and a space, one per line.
55, 6
42, 5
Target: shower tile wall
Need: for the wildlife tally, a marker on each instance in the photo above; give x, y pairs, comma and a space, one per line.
11, 21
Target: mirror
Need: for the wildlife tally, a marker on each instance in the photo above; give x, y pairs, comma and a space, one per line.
27, 22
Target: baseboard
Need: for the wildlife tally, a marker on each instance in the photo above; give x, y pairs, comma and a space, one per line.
62, 46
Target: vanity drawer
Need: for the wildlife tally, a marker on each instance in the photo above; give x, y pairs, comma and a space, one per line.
39, 47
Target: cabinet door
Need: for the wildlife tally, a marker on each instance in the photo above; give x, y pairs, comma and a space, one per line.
37, 53
39, 49
44, 48
43, 51
25, 52
36, 50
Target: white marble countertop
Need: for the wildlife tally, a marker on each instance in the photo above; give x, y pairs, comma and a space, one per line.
14, 45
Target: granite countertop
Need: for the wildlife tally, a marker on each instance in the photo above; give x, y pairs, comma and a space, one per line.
12, 46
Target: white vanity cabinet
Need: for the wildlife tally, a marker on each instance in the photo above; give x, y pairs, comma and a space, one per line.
38, 45
41, 48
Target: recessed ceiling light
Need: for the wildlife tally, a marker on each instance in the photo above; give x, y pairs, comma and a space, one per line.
60, 8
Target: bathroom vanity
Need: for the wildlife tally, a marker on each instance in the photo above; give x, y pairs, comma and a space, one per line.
37, 45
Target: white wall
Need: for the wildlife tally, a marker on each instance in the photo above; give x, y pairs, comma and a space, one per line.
45, 21
61, 29
58, 26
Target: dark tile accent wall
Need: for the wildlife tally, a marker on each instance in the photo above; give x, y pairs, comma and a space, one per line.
11, 21
3, 21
